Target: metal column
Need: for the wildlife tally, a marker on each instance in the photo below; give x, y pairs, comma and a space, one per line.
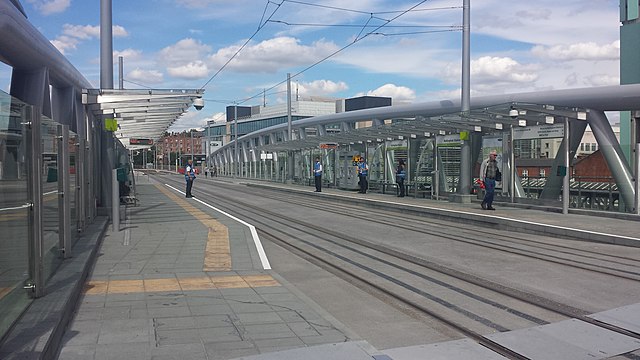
466, 174
637, 197
115, 208
290, 165
236, 157
81, 187
512, 166
612, 153
35, 284
566, 190
64, 198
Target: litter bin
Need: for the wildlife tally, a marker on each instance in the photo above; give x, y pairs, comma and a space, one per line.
121, 173
52, 174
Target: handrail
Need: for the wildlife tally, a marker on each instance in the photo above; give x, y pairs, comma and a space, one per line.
27, 205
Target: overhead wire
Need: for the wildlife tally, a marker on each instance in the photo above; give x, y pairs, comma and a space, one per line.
135, 83
260, 26
453, 28
428, 9
356, 25
363, 28
335, 52
327, 7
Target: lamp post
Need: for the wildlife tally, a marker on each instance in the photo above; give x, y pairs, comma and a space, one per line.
235, 142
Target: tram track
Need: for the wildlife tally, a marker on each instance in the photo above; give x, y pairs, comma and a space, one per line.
583, 259
353, 258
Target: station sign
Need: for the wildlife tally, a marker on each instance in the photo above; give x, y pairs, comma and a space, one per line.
539, 132
137, 141
328, 146
452, 140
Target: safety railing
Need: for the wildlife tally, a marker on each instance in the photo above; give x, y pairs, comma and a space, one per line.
44, 202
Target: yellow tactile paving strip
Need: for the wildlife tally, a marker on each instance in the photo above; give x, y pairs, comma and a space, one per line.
4, 291
11, 217
218, 251
102, 287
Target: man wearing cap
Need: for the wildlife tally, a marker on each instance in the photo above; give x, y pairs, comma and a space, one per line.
488, 172
363, 171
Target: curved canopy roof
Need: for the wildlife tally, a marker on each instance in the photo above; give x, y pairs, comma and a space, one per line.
487, 114
141, 114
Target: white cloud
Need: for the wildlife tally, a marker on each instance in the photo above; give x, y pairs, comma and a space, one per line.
534, 14
193, 70
601, 80
145, 76
127, 54
86, 32
192, 119
73, 35
443, 94
271, 55
501, 68
65, 43
184, 52
48, 7
399, 94
551, 22
321, 87
579, 51
492, 69
81, 31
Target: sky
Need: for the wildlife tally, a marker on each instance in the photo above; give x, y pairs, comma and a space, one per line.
240, 51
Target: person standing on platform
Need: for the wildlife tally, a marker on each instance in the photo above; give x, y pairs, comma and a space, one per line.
206, 172
401, 175
363, 171
189, 176
488, 173
317, 174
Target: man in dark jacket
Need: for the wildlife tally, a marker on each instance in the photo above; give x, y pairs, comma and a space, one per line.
317, 174
189, 176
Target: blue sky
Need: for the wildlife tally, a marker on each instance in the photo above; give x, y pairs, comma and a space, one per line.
516, 46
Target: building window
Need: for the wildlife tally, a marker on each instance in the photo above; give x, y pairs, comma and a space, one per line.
543, 173
581, 146
525, 173
594, 146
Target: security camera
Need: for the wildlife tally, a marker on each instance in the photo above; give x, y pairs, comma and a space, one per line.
198, 103
513, 113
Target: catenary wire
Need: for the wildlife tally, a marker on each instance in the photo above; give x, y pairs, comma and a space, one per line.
243, 45
335, 52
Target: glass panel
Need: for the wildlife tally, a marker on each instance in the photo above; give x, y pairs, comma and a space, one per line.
73, 153
14, 211
50, 210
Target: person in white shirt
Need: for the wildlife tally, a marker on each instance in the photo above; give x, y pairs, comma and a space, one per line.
317, 174
189, 176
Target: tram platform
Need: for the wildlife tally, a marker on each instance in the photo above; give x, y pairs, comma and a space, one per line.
182, 280
586, 225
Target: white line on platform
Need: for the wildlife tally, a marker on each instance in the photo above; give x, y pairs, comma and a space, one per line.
254, 233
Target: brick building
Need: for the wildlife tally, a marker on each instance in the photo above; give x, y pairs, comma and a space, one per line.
592, 167
180, 143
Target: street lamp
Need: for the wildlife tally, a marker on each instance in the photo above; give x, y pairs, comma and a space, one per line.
235, 143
